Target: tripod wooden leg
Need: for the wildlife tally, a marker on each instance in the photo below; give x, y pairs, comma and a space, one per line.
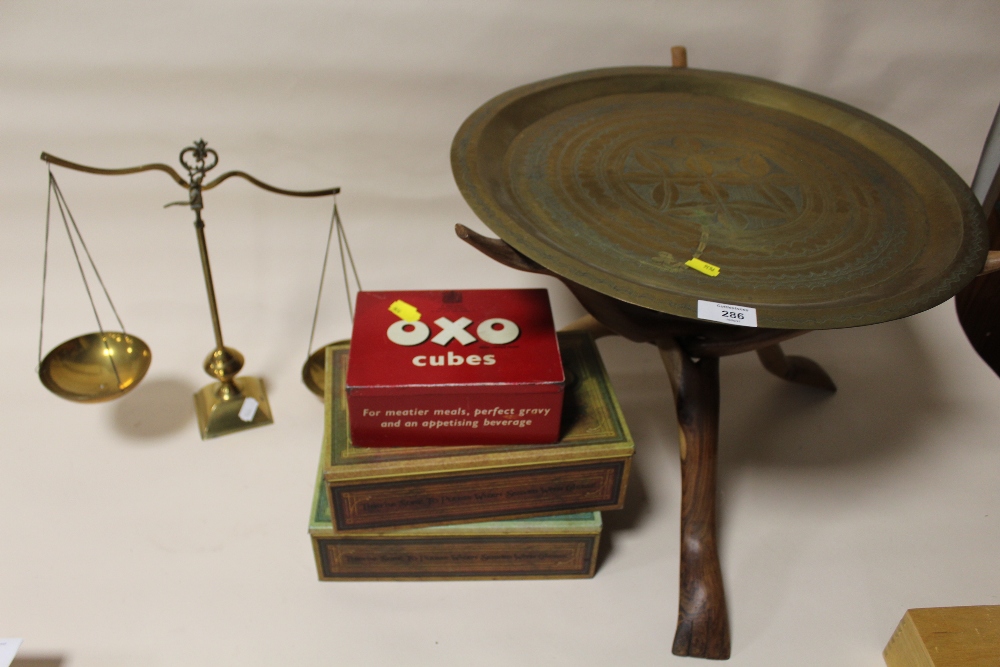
800, 370
702, 619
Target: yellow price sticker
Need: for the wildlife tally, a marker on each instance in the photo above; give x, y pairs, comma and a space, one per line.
704, 267
404, 311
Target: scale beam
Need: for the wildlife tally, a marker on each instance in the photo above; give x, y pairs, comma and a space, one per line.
156, 166
170, 171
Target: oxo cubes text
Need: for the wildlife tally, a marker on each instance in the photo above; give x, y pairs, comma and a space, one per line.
454, 368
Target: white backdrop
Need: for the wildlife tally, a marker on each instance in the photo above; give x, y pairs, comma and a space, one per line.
125, 540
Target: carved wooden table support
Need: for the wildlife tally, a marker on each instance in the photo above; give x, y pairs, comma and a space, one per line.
800, 370
702, 619
703, 622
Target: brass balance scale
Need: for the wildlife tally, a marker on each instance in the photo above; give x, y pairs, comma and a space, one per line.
667, 198
105, 365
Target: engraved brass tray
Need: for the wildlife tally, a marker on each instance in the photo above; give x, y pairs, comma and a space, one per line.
817, 214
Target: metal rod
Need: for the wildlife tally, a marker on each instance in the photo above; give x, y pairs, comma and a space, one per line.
199, 227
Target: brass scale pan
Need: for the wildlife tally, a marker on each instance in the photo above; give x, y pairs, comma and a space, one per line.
818, 215
95, 367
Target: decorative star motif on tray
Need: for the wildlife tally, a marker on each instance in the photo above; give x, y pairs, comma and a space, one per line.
696, 181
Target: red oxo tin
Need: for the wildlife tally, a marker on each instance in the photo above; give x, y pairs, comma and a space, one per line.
454, 368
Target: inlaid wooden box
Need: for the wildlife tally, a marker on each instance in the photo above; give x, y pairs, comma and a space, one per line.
554, 547
586, 470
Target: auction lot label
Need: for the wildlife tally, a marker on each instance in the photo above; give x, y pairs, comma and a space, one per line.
741, 316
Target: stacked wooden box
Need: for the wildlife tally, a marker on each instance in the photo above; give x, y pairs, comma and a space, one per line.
478, 511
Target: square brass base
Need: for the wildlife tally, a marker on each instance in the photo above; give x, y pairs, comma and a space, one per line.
218, 415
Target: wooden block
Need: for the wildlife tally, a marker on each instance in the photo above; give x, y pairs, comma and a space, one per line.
946, 637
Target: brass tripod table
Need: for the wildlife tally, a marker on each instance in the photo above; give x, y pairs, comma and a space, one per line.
668, 199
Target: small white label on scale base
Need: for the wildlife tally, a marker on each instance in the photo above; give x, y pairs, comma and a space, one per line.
742, 316
248, 409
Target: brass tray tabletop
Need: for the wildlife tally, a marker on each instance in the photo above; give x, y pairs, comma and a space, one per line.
819, 215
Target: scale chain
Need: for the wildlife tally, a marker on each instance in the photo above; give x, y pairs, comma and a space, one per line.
67, 218
45, 270
342, 244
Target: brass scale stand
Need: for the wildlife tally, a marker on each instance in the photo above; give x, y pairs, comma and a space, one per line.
107, 364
